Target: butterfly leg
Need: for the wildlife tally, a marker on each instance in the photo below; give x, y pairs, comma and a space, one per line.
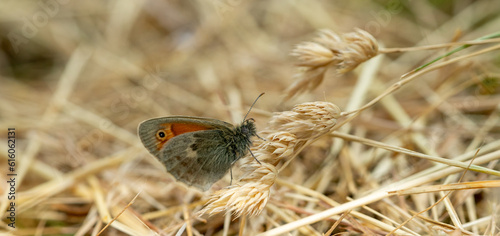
231, 171
254, 156
261, 138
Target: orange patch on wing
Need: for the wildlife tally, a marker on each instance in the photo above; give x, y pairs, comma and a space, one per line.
174, 129
180, 128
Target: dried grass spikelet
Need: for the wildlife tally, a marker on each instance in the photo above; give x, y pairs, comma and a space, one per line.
330, 50
286, 133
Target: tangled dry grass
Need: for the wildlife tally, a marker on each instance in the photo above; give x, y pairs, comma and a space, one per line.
364, 132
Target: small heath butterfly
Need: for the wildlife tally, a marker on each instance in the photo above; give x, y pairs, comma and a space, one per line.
195, 150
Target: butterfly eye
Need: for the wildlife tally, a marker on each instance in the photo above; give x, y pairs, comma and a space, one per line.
161, 135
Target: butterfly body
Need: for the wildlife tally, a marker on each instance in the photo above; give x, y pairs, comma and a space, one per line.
196, 151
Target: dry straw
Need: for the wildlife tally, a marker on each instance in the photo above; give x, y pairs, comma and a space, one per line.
330, 50
286, 134
79, 166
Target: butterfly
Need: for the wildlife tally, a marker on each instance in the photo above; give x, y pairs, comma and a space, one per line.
195, 150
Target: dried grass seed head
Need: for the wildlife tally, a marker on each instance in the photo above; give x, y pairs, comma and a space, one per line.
307, 120
248, 199
330, 50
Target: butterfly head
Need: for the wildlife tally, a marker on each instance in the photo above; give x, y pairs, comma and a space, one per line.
248, 129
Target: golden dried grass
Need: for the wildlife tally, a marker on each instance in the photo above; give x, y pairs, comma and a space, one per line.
76, 84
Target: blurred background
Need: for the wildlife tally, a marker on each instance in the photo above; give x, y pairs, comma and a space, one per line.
77, 77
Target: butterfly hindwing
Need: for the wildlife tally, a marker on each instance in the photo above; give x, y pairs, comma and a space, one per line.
198, 158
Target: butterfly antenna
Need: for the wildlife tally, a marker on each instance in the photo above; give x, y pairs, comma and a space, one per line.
248, 112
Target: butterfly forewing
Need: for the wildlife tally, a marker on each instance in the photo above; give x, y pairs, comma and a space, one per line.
173, 126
